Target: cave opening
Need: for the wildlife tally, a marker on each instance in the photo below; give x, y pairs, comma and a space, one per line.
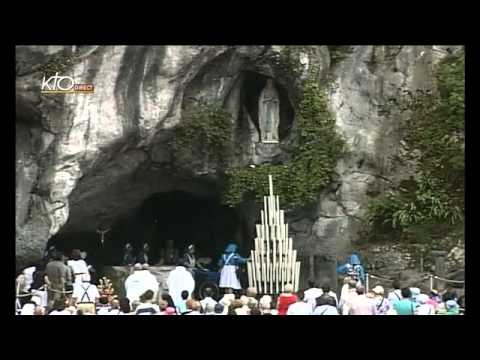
253, 84
181, 216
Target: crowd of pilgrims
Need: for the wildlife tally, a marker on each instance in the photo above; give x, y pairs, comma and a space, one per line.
65, 287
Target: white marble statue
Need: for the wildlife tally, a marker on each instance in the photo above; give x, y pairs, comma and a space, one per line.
269, 113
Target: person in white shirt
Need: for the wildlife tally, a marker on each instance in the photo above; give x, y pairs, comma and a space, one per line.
146, 307
208, 300
85, 292
85, 295
229, 296
396, 294
424, 308
28, 309
301, 307
350, 297
28, 272
344, 292
312, 294
139, 282
209, 309
79, 266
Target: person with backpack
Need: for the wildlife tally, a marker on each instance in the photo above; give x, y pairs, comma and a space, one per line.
396, 294
382, 304
229, 263
326, 305
85, 295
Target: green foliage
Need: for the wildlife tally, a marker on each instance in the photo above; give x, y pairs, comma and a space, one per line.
428, 203
207, 130
437, 129
299, 181
436, 197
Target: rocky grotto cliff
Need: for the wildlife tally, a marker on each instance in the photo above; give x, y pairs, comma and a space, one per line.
86, 159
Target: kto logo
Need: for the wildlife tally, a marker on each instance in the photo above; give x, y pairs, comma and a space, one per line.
63, 84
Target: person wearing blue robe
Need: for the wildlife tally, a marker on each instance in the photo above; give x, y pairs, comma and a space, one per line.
353, 267
229, 262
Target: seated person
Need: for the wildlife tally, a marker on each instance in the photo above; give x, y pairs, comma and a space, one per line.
168, 255
189, 261
128, 258
143, 255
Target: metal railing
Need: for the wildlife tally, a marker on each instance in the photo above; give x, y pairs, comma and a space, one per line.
430, 277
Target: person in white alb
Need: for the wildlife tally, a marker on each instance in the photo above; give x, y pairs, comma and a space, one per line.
140, 281
301, 307
180, 280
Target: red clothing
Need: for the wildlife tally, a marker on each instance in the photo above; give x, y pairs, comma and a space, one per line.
284, 301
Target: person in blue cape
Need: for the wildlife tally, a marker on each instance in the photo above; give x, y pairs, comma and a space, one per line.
229, 263
353, 267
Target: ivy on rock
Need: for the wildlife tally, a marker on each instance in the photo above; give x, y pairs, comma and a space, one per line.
435, 197
299, 181
206, 130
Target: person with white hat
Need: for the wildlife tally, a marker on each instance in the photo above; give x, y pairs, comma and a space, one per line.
382, 304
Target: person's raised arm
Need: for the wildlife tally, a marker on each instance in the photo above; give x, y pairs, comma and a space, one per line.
241, 259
